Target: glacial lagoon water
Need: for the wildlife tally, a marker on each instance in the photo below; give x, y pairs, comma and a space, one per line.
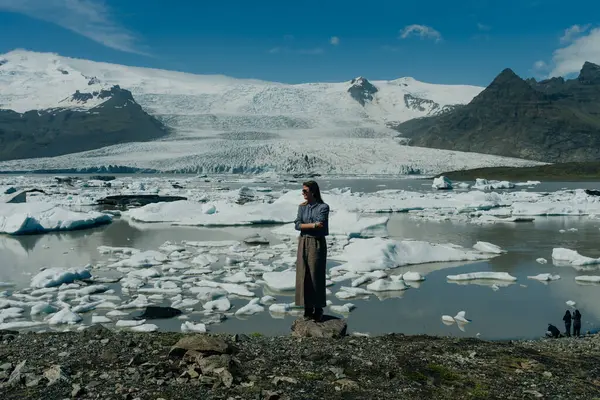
513, 310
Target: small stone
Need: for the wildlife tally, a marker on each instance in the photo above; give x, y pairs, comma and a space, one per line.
534, 393
54, 374
287, 379
105, 341
346, 384
15, 376
192, 373
200, 343
77, 390
160, 382
135, 360
225, 376
547, 374
338, 372
32, 380
211, 363
269, 395
63, 354
6, 366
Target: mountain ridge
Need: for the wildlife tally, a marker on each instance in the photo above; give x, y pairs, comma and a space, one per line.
553, 120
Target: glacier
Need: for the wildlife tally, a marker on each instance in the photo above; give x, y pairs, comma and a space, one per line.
226, 125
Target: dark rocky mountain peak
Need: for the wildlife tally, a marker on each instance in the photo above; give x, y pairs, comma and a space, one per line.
114, 93
589, 74
508, 86
362, 90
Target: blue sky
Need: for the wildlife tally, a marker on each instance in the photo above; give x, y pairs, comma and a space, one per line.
437, 41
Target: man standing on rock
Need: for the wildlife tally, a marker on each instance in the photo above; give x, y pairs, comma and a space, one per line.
313, 223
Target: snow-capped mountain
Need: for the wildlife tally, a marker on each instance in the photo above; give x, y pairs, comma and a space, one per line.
225, 124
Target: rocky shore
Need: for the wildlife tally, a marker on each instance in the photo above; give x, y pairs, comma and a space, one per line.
101, 364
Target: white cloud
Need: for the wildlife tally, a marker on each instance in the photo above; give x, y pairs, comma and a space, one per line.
540, 65
423, 31
89, 18
570, 59
572, 32
334, 40
483, 27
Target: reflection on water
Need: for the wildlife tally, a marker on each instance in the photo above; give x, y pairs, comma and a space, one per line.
506, 310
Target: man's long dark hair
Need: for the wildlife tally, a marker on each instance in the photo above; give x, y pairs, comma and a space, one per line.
314, 189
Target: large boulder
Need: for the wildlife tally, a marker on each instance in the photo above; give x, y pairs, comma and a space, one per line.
204, 344
330, 327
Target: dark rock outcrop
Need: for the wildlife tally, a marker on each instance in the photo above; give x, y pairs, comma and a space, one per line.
362, 90
123, 200
158, 312
552, 120
47, 133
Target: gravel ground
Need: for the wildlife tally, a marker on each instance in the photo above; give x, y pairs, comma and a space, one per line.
102, 364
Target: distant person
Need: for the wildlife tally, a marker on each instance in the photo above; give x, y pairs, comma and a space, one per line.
313, 223
552, 331
567, 319
576, 323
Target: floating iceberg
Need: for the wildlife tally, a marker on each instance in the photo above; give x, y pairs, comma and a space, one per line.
41, 217
499, 276
545, 277
441, 183
566, 257
366, 255
53, 277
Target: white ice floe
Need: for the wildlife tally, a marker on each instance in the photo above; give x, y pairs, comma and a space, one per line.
541, 260
441, 183
42, 308
100, 319
484, 184
545, 277
53, 277
185, 303
204, 260
144, 259
343, 309
281, 281
117, 250
266, 300
140, 301
412, 277
571, 303
146, 328
567, 257
279, 308
6, 284
126, 323
366, 255
486, 247
448, 320
20, 325
205, 293
189, 326
41, 217
238, 277
346, 292
588, 279
64, 316
253, 307
222, 304
115, 313
395, 283
461, 318
499, 276
371, 276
